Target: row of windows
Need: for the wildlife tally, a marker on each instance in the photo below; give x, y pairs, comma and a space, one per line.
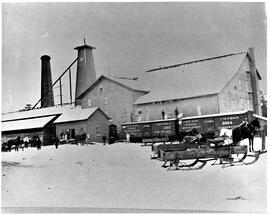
242, 85
244, 104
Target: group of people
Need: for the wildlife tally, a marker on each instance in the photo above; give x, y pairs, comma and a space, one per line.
21, 143
81, 139
176, 113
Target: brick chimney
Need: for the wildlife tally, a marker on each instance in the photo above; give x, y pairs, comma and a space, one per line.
46, 83
254, 83
86, 73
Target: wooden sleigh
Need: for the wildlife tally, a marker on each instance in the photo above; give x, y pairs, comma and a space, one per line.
195, 157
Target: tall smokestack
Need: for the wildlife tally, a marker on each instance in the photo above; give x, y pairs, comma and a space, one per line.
254, 83
86, 73
46, 82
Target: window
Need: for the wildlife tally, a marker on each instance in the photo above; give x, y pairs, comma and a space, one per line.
81, 129
224, 102
246, 83
106, 101
124, 111
199, 110
248, 104
233, 104
98, 130
241, 103
240, 85
100, 89
89, 102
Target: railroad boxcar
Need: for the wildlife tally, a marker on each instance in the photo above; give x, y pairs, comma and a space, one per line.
151, 130
209, 125
175, 129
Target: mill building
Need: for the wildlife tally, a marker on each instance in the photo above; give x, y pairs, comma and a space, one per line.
220, 84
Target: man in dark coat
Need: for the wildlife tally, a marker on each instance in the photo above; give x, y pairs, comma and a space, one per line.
9, 145
56, 142
17, 143
163, 114
38, 141
176, 112
104, 139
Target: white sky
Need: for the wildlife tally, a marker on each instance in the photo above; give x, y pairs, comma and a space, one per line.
130, 38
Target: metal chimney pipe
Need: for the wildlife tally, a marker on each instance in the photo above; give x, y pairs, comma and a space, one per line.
254, 83
86, 73
46, 82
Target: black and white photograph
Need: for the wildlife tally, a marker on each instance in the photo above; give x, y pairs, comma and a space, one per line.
134, 107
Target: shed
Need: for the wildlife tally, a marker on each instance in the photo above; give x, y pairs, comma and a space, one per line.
75, 122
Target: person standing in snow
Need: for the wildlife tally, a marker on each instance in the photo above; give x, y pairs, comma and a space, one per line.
56, 142
128, 137
88, 138
104, 139
84, 136
38, 141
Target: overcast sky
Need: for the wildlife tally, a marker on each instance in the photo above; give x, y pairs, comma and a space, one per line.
130, 38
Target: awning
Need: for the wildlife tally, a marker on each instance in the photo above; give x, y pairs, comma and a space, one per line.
28, 123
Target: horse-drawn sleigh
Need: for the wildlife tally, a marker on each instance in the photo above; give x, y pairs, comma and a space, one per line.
190, 142
193, 153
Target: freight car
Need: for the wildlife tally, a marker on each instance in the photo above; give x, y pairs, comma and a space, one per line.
152, 131
209, 125
176, 129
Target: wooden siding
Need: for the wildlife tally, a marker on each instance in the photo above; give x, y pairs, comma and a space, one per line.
237, 94
115, 100
98, 122
189, 107
98, 126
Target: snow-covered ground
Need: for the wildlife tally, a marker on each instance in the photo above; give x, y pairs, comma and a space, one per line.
123, 176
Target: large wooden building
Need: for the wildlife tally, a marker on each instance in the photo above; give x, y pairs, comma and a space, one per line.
114, 96
214, 85
220, 84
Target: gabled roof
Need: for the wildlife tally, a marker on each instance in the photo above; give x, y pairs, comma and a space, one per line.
65, 114
30, 123
77, 115
39, 112
133, 85
192, 79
